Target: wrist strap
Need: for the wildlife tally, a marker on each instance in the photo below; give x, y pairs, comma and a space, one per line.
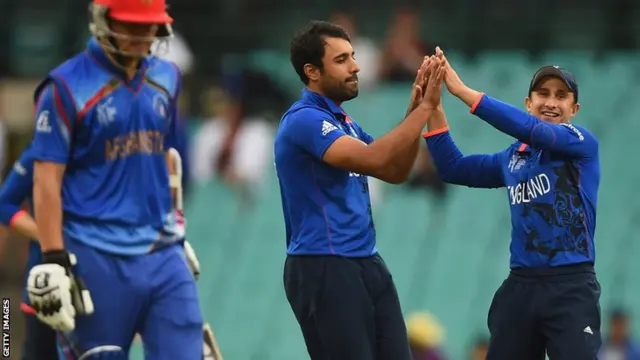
60, 257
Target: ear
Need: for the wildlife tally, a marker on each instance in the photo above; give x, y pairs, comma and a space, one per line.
576, 107
312, 72
527, 104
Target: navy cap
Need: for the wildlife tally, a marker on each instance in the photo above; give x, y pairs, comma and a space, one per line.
558, 72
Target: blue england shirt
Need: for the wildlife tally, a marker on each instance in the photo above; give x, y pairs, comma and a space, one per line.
327, 211
551, 175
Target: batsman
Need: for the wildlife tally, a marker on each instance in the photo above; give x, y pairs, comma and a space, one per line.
113, 260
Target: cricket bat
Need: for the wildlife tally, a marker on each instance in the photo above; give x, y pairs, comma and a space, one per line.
211, 351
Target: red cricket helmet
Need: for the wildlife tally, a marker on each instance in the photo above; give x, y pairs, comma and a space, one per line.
131, 11
137, 11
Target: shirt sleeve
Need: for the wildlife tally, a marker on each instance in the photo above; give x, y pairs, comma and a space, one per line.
567, 139
368, 139
55, 121
313, 130
16, 189
478, 171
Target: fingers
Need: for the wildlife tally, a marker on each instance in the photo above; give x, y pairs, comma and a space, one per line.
421, 71
418, 91
440, 73
435, 77
420, 79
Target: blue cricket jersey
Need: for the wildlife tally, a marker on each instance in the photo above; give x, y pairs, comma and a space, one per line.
17, 189
112, 134
551, 174
327, 211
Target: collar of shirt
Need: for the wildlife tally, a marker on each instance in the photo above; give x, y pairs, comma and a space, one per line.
309, 96
99, 54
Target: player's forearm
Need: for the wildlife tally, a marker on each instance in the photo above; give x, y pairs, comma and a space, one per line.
446, 157
47, 201
403, 162
454, 168
437, 122
504, 117
402, 141
25, 225
444, 152
18, 219
171, 166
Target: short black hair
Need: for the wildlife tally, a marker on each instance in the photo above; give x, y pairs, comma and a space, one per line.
307, 46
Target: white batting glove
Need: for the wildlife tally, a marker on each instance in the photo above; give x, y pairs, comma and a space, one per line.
55, 294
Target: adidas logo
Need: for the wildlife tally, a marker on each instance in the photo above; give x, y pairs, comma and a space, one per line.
588, 330
327, 127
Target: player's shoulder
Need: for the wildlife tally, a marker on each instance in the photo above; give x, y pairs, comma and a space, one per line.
164, 73
60, 75
581, 132
71, 64
80, 78
79, 66
301, 113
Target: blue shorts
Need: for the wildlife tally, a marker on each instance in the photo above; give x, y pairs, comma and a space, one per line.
154, 295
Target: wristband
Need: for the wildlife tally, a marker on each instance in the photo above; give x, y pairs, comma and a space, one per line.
60, 257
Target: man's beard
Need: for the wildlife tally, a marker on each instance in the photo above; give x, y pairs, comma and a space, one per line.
338, 91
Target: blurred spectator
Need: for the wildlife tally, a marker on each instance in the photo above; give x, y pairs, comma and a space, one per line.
619, 345
404, 49
367, 52
235, 144
479, 349
177, 51
425, 337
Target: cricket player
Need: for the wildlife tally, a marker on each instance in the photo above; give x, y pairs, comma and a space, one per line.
112, 264
337, 284
550, 301
40, 339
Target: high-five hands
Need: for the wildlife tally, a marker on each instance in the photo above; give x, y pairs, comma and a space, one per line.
454, 84
433, 85
427, 87
417, 90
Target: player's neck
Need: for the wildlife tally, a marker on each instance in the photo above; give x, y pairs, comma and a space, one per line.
313, 88
129, 65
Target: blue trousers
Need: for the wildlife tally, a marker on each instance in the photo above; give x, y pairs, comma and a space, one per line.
154, 295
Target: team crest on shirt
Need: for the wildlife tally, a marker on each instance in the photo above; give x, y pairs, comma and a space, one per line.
160, 105
516, 162
106, 112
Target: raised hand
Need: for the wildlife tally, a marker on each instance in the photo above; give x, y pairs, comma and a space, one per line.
451, 79
417, 92
433, 89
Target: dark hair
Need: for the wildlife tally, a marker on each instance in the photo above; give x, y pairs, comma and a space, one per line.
307, 47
